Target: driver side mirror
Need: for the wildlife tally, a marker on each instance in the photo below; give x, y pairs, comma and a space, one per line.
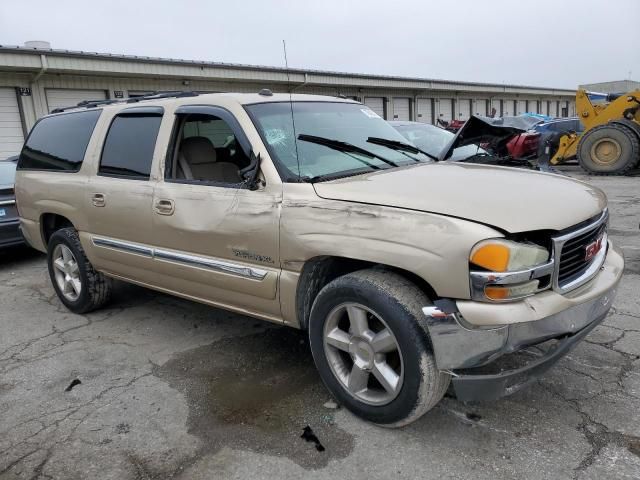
251, 171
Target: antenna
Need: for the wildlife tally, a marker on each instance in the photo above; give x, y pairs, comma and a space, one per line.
293, 120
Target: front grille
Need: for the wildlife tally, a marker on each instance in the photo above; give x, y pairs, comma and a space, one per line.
573, 262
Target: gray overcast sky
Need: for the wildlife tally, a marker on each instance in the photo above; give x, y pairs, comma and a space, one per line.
557, 43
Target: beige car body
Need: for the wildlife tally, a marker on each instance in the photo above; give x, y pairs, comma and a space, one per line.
253, 251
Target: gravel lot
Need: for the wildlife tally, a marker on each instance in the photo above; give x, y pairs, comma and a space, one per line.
173, 389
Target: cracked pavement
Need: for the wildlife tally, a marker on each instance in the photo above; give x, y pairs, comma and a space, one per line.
173, 389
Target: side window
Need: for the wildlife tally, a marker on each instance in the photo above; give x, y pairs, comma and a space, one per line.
128, 148
206, 150
59, 142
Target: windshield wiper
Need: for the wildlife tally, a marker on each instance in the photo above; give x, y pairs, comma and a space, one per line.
343, 147
400, 146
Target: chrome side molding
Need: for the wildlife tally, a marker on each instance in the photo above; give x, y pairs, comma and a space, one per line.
190, 260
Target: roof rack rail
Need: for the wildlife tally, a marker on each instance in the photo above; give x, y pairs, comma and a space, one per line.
150, 96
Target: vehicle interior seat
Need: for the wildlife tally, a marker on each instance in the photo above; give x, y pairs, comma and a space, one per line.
197, 161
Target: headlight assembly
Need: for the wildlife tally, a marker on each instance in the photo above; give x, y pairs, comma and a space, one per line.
508, 270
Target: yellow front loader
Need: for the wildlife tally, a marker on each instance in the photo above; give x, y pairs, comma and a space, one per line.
610, 142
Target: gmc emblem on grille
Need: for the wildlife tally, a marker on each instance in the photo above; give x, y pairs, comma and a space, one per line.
592, 249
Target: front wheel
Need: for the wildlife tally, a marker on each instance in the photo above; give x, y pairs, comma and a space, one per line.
370, 350
610, 149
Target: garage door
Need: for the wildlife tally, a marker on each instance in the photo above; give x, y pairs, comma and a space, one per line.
495, 103
480, 106
507, 108
11, 135
401, 109
424, 110
376, 104
521, 107
138, 93
444, 109
62, 97
532, 106
463, 109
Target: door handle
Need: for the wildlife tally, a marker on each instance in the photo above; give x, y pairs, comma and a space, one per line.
165, 207
98, 200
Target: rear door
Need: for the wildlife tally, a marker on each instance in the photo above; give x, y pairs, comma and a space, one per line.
118, 198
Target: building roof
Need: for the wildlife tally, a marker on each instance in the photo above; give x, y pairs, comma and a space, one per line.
107, 63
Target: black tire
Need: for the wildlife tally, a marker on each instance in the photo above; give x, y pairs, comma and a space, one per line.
95, 288
398, 302
617, 135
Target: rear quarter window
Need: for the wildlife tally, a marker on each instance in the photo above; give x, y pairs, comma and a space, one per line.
59, 142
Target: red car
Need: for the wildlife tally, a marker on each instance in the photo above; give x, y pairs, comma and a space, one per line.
524, 145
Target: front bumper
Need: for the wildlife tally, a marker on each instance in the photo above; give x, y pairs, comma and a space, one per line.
464, 340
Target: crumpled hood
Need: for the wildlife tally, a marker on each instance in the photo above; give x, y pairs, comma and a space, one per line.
495, 132
509, 199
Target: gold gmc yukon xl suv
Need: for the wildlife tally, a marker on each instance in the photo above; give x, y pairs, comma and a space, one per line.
407, 273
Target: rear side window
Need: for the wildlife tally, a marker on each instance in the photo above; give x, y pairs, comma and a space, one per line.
59, 142
128, 148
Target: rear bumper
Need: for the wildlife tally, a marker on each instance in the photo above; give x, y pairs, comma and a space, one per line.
10, 234
462, 347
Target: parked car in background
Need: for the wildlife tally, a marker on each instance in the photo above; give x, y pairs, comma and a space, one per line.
434, 140
9, 221
524, 145
484, 146
554, 129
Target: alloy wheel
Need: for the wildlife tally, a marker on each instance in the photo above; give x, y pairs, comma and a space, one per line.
67, 272
363, 354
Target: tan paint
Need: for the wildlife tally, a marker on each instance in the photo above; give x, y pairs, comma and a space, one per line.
424, 219
510, 199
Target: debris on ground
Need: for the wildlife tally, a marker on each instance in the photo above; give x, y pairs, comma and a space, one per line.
309, 436
331, 405
72, 384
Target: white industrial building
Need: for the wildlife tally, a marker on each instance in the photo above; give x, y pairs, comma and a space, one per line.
35, 79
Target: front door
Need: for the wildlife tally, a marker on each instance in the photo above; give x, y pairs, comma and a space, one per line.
215, 240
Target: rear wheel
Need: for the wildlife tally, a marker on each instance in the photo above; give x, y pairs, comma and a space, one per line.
78, 285
609, 150
370, 349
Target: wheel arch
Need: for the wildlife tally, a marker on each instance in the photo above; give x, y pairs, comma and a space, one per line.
51, 223
319, 271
